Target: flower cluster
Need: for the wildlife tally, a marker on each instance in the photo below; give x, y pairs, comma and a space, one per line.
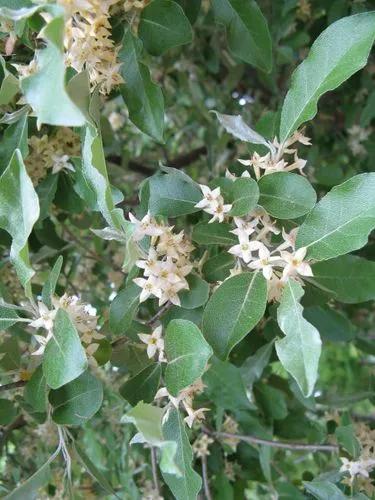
185, 399
213, 204
167, 263
231, 427
51, 152
361, 468
135, 4
201, 445
273, 161
255, 249
83, 316
88, 42
357, 135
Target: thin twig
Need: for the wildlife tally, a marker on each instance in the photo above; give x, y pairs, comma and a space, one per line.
154, 465
160, 313
206, 486
12, 385
275, 444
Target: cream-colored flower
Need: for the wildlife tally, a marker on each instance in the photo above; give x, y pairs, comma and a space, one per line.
154, 342
295, 263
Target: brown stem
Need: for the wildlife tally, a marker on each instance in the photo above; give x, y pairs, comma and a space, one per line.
275, 444
160, 313
12, 385
206, 485
177, 162
154, 465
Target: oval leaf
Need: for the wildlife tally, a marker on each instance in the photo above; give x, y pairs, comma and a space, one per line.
163, 25
299, 350
64, 357
245, 194
216, 233
124, 308
143, 386
341, 50
341, 221
248, 35
77, 401
286, 196
187, 354
197, 295
233, 310
349, 278
142, 96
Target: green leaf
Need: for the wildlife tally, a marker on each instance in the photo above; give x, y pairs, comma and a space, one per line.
46, 190
9, 84
94, 172
124, 308
163, 25
78, 401
187, 354
188, 485
198, 292
148, 420
215, 233
271, 401
254, 365
225, 386
35, 392
286, 196
345, 435
217, 268
299, 350
143, 386
349, 278
49, 286
142, 96
30, 488
331, 324
233, 310
64, 357
45, 90
15, 137
173, 194
19, 210
93, 470
341, 221
8, 411
8, 317
244, 194
322, 490
248, 35
340, 51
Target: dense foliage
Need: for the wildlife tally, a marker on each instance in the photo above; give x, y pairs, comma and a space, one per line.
186, 260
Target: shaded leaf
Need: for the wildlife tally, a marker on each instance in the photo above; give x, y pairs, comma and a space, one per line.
248, 35
142, 96
187, 354
143, 386
233, 310
124, 308
77, 401
163, 25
